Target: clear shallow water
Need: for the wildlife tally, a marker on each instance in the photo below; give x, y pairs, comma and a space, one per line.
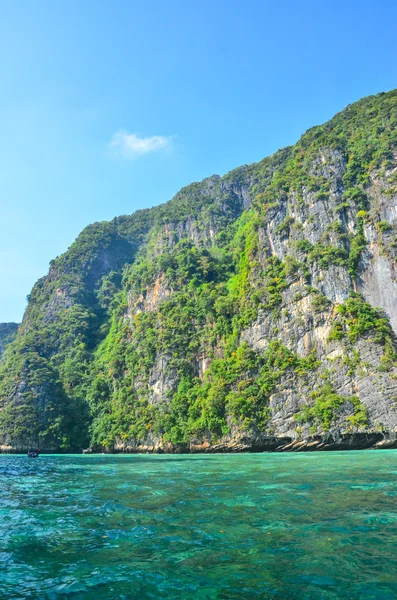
268, 526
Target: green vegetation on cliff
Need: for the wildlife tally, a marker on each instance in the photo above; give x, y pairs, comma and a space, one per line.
8, 331
142, 331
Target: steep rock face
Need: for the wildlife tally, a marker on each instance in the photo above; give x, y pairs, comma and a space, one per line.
253, 311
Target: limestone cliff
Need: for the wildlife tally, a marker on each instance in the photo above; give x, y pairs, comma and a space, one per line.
252, 311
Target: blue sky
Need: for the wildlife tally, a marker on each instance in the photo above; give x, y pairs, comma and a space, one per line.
107, 107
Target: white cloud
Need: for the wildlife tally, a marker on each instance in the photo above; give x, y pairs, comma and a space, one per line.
131, 145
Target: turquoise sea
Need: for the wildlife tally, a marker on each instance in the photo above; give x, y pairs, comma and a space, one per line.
268, 526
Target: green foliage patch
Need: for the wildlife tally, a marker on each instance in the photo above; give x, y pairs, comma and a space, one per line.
326, 407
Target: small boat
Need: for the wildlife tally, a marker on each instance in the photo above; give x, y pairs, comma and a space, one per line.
33, 453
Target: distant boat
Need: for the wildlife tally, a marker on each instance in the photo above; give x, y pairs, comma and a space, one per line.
33, 453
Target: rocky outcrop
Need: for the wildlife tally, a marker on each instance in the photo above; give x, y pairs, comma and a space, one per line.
326, 443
